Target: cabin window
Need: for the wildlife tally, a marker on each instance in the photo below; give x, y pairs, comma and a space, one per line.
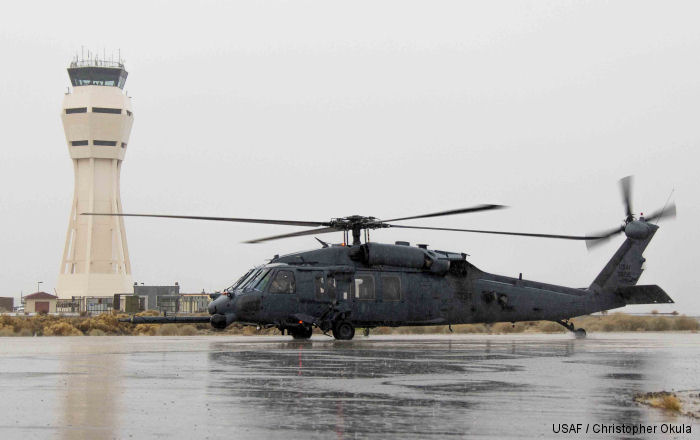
105, 143
320, 287
391, 288
283, 282
363, 287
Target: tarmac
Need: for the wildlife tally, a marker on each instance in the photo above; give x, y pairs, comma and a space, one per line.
428, 386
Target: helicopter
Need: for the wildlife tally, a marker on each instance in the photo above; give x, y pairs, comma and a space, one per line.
340, 287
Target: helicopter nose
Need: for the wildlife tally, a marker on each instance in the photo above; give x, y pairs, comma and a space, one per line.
219, 305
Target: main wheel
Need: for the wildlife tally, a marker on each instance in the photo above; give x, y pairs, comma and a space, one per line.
580, 333
343, 330
302, 332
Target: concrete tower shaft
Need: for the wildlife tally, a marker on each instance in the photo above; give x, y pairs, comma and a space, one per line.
97, 119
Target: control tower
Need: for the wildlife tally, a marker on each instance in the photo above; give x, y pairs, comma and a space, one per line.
97, 119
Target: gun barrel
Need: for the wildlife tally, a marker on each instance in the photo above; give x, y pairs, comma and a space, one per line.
166, 319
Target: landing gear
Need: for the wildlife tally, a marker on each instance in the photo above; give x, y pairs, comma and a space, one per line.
579, 333
343, 330
301, 332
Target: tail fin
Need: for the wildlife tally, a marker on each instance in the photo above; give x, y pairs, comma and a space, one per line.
644, 295
625, 267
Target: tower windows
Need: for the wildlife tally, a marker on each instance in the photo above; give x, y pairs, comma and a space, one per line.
116, 111
76, 110
97, 76
123, 144
105, 143
128, 113
78, 143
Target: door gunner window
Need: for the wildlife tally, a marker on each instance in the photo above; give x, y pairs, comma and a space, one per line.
320, 287
363, 287
283, 282
391, 288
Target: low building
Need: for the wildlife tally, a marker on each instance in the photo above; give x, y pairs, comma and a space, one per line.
151, 293
40, 302
7, 304
194, 302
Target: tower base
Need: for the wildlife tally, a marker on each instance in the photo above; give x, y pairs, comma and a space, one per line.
95, 284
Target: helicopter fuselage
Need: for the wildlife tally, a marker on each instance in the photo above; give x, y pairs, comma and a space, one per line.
393, 285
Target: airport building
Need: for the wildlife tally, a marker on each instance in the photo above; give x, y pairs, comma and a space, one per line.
40, 302
7, 304
163, 299
97, 118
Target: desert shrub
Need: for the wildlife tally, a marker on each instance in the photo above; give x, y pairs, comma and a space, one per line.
662, 399
685, 323
503, 327
6, 330
660, 325
176, 330
471, 328
145, 329
61, 329
96, 332
549, 327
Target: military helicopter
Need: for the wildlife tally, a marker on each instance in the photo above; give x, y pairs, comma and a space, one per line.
341, 287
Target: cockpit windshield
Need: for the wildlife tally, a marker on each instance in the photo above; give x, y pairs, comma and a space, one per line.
240, 281
250, 280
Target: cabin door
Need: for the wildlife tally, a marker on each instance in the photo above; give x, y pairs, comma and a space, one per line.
280, 294
312, 290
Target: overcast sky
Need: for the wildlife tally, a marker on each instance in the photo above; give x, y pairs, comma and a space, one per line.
309, 110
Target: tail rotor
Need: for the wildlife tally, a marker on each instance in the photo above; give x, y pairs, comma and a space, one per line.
668, 211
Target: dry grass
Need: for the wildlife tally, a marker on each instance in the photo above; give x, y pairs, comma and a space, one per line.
108, 324
662, 399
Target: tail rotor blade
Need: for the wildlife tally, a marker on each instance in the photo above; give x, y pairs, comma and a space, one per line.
667, 212
626, 187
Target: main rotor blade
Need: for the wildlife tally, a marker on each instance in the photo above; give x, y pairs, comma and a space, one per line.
295, 234
451, 212
626, 187
602, 237
221, 219
668, 211
523, 234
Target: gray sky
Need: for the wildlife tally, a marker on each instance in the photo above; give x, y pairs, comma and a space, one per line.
320, 109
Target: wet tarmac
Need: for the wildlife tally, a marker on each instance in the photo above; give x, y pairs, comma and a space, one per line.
478, 386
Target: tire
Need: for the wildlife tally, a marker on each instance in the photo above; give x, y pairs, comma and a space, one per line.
580, 333
302, 332
343, 331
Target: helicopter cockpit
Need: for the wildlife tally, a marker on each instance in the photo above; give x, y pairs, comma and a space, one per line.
257, 279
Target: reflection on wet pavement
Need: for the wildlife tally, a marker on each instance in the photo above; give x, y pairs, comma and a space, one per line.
407, 387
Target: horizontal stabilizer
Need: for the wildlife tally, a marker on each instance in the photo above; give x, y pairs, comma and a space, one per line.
644, 295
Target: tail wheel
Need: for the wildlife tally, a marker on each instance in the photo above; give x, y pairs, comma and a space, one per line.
301, 332
343, 330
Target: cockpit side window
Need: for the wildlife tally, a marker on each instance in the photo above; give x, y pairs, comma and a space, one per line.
283, 282
254, 279
264, 281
